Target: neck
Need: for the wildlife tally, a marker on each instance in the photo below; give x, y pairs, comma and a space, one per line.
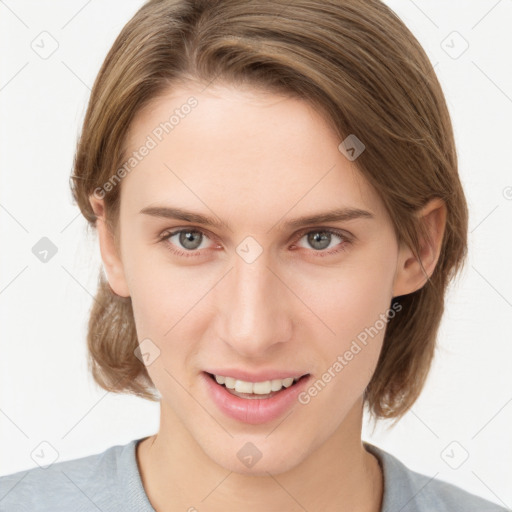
339, 475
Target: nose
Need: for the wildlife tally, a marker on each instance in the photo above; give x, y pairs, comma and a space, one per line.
256, 313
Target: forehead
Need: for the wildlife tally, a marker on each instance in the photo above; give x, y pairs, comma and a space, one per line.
240, 149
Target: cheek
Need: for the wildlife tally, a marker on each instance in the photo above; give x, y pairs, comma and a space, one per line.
158, 289
160, 312
352, 298
156, 308
355, 306
167, 307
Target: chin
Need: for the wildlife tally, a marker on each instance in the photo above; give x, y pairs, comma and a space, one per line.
273, 465
259, 455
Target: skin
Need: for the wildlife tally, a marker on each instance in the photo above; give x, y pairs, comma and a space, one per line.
242, 151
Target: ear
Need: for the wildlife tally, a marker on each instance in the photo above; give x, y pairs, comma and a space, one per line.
411, 274
109, 254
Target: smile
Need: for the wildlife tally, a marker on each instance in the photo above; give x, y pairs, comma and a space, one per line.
246, 389
254, 402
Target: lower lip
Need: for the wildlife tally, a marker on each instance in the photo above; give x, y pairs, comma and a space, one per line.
254, 411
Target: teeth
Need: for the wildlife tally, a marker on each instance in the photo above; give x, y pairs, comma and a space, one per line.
243, 387
229, 382
276, 385
258, 388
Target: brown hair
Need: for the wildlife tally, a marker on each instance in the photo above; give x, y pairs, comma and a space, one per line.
354, 60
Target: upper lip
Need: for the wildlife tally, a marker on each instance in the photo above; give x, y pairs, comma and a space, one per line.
260, 376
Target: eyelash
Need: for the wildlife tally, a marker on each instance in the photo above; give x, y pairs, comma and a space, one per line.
321, 253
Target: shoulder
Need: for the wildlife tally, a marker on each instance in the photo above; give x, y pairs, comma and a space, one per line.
409, 491
93, 482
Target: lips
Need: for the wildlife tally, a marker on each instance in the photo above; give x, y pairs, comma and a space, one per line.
256, 376
254, 409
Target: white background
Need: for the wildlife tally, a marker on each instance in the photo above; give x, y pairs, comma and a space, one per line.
46, 392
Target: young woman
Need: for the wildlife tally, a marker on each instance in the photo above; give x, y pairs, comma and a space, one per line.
275, 189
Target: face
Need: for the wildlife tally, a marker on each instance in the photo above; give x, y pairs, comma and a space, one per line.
254, 296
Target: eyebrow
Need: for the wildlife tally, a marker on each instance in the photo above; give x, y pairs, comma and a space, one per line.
337, 215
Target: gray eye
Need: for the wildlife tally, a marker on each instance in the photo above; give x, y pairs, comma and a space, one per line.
320, 240
189, 239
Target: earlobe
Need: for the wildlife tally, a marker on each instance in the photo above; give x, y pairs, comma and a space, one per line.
112, 262
411, 273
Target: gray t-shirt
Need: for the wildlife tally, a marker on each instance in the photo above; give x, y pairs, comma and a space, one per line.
110, 481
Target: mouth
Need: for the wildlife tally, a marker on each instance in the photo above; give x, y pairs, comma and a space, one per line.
253, 402
255, 390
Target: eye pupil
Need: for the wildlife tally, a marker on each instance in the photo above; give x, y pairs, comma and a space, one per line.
187, 239
319, 236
